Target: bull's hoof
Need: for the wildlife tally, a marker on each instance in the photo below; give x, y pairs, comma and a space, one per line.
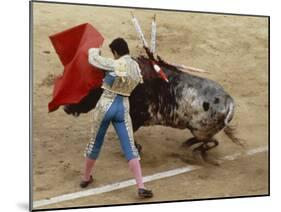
212, 162
203, 159
139, 148
198, 156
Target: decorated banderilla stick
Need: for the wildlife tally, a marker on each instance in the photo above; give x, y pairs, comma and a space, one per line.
153, 35
151, 52
185, 68
156, 67
138, 30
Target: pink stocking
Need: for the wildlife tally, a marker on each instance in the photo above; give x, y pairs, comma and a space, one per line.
89, 164
135, 167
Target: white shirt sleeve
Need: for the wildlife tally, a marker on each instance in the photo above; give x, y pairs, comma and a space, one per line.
98, 61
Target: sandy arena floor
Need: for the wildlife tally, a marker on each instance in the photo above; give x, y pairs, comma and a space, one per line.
234, 49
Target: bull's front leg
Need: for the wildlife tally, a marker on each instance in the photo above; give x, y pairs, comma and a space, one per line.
136, 125
138, 146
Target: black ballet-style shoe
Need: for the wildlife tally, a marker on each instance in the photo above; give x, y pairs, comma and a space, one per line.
84, 184
144, 193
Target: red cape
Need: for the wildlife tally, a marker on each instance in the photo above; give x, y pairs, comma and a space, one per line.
79, 77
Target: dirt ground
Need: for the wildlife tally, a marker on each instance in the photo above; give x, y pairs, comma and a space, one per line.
234, 49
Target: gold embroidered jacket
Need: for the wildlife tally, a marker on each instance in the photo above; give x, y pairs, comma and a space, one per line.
122, 75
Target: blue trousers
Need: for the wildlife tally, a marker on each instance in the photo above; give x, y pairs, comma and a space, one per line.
117, 113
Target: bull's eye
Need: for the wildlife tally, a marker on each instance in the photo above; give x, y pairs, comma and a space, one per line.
216, 101
206, 106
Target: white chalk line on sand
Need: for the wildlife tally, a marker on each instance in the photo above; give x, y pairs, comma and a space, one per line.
127, 183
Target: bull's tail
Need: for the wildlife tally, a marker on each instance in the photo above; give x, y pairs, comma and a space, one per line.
230, 131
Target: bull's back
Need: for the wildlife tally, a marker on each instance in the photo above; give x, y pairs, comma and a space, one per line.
187, 101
